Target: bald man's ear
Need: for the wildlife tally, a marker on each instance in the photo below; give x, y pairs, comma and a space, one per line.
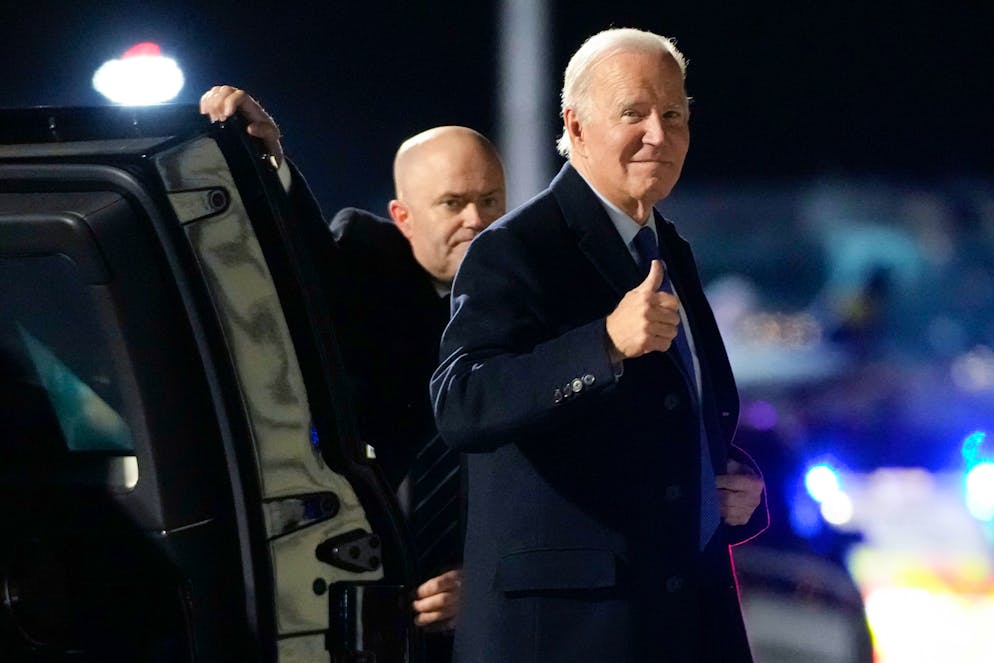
571, 122
401, 217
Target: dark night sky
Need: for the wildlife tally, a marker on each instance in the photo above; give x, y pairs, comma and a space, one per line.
781, 89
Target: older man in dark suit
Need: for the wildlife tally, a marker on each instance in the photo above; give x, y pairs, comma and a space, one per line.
585, 376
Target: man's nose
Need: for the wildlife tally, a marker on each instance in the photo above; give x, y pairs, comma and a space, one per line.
471, 217
654, 132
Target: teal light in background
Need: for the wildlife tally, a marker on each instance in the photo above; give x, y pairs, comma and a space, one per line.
973, 447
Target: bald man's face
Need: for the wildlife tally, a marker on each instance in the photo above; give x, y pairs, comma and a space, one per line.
449, 189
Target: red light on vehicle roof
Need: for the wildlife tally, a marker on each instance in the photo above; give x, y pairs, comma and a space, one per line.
144, 48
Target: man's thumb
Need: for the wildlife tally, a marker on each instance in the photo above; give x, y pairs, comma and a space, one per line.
654, 278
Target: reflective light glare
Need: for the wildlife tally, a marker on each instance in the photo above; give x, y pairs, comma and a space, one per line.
980, 491
822, 482
837, 509
141, 78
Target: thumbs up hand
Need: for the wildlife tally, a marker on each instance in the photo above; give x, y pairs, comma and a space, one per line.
653, 279
645, 319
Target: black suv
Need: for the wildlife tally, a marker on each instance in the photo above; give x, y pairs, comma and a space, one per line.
180, 475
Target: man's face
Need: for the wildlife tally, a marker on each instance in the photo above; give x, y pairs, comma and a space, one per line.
453, 189
633, 139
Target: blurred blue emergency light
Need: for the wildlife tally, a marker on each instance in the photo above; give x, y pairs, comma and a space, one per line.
822, 482
824, 485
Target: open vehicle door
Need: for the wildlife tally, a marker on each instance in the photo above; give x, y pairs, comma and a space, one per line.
180, 475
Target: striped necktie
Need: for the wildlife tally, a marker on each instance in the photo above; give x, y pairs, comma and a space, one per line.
648, 249
436, 507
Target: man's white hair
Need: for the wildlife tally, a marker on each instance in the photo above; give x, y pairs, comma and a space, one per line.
576, 79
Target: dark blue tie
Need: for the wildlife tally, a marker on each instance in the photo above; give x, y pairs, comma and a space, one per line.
647, 248
436, 506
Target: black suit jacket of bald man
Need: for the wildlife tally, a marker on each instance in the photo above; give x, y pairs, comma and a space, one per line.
584, 489
389, 321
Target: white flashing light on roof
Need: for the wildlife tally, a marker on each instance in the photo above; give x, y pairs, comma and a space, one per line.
141, 77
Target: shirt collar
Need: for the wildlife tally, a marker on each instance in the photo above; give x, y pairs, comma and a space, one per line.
443, 290
626, 226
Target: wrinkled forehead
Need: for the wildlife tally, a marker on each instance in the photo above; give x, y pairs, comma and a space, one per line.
624, 73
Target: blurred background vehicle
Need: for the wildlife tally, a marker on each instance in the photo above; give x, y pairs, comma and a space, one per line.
859, 322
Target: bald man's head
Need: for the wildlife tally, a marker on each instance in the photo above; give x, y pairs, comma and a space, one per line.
449, 185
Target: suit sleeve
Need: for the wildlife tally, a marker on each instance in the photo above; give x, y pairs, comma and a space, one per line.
506, 371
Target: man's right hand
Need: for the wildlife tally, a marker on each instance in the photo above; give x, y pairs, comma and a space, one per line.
645, 320
222, 101
437, 601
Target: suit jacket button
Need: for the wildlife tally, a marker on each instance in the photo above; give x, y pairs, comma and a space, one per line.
567, 392
672, 493
588, 379
674, 584
671, 402
576, 385
557, 395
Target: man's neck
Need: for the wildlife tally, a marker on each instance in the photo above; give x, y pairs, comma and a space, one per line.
637, 210
640, 215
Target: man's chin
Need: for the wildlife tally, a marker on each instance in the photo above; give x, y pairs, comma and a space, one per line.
655, 190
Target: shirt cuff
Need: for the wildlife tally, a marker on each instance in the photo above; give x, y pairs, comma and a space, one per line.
284, 174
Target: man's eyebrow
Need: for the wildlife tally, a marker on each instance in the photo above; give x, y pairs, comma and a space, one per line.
461, 195
634, 99
450, 194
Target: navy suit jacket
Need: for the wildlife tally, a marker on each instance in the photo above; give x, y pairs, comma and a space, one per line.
583, 487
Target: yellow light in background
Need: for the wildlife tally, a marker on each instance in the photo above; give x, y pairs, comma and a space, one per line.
918, 625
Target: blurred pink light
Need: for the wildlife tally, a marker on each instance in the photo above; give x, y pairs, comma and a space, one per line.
144, 48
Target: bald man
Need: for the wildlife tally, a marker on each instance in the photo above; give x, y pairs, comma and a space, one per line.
390, 300
449, 186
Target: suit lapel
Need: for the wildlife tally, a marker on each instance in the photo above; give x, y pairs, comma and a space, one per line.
596, 235
599, 241
716, 373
